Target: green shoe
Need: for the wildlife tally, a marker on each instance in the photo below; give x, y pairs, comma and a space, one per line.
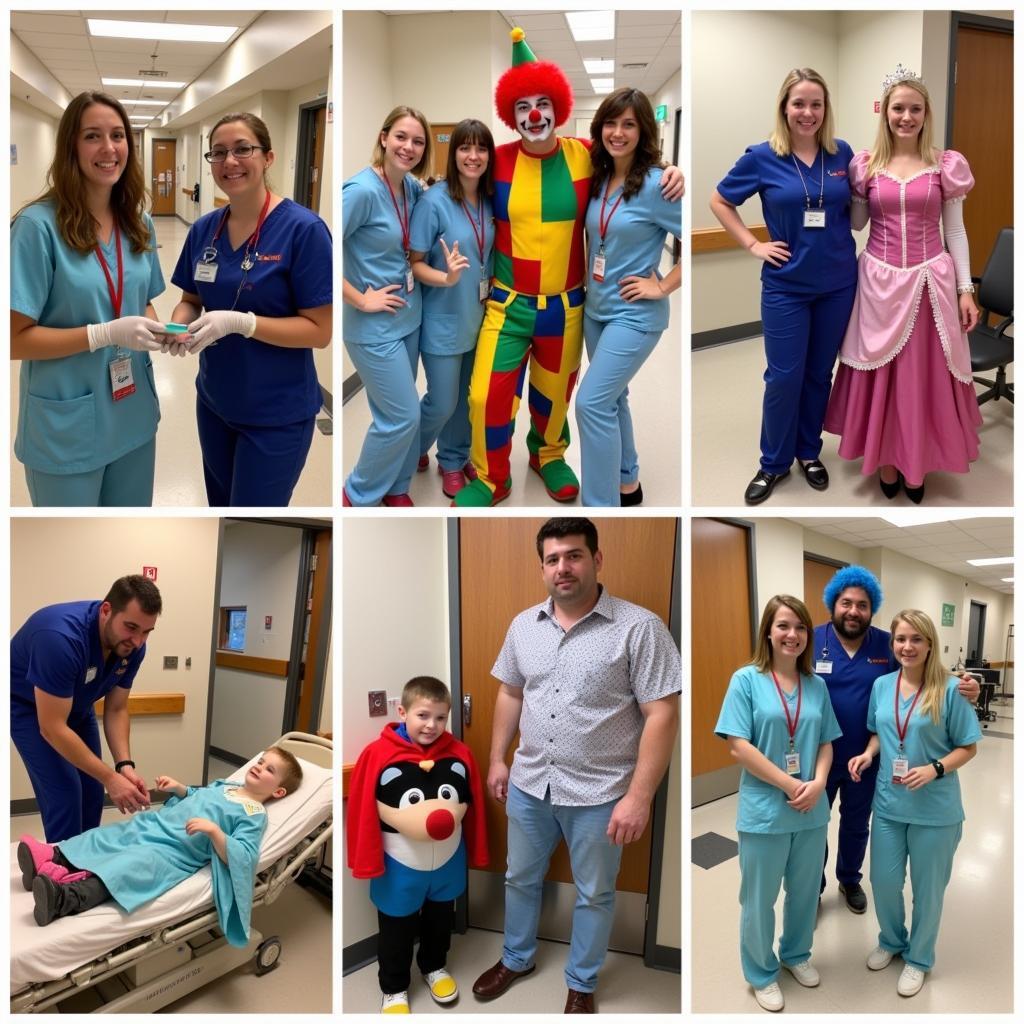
559, 480
477, 494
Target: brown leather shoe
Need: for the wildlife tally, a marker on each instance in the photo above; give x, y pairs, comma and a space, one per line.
493, 982
579, 1002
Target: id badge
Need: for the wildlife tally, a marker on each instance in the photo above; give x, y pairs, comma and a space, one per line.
122, 383
483, 289
793, 763
823, 668
206, 272
814, 218
598, 272
900, 768
410, 281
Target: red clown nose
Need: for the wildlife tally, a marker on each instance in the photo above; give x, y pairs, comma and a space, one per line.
440, 824
534, 116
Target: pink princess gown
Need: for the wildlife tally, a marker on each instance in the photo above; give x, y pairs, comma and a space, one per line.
903, 394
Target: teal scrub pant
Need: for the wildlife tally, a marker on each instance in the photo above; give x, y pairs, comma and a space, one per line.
930, 849
126, 482
793, 859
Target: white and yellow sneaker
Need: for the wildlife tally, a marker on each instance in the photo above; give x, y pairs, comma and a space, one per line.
396, 1002
442, 986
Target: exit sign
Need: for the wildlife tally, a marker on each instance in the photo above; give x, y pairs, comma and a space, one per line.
661, 113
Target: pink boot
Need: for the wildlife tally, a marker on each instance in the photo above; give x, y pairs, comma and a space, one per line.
32, 855
56, 873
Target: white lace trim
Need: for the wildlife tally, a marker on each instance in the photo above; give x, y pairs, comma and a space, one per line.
909, 270
924, 218
903, 225
933, 169
954, 199
940, 326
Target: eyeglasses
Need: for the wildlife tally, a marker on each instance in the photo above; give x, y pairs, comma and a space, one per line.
242, 152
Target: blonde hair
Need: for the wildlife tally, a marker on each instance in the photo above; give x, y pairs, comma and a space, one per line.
881, 152
395, 115
933, 683
763, 652
780, 140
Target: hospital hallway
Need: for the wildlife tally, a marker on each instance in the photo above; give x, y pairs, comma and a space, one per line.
973, 971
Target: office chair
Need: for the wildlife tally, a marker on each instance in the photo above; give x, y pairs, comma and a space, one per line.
991, 349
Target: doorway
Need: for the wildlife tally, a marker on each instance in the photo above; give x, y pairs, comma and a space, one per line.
309, 163
976, 635
164, 154
442, 140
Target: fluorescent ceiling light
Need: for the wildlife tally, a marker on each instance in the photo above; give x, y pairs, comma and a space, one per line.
1007, 579
161, 30
586, 26
144, 103
904, 518
990, 561
145, 83
599, 67
603, 84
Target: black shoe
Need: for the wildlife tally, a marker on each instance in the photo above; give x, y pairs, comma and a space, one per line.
890, 490
633, 498
761, 486
47, 896
816, 473
856, 897
915, 494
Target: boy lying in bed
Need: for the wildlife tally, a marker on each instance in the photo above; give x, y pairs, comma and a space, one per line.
134, 861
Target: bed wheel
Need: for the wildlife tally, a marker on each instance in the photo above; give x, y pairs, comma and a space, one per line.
268, 955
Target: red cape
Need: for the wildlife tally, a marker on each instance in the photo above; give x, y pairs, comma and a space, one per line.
362, 824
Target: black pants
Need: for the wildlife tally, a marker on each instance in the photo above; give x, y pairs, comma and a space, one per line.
79, 896
433, 923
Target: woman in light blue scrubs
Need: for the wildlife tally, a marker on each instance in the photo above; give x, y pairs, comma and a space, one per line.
924, 732
809, 276
452, 242
627, 299
84, 273
780, 726
257, 296
383, 307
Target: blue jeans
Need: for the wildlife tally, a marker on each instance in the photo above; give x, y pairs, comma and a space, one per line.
534, 829
127, 482
444, 409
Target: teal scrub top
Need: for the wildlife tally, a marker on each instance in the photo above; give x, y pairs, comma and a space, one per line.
68, 421
452, 316
938, 802
373, 256
633, 244
752, 711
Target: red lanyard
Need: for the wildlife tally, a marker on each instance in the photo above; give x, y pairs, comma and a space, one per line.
902, 732
403, 222
602, 223
791, 723
478, 235
253, 240
116, 297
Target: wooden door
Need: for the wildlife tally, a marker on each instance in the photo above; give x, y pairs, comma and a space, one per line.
722, 630
317, 621
817, 575
983, 131
316, 166
442, 137
162, 186
500, 576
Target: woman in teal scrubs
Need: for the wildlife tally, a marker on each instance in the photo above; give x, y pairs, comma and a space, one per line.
780, 726
924, 732
84, 273
452, 242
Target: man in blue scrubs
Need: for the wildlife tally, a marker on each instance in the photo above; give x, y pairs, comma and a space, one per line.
64, 659
850, 654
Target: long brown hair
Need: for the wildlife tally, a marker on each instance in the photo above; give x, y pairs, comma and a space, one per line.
470, 133
647, 153
763, 652
67, 186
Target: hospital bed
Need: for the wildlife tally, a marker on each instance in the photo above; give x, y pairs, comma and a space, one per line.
107, 961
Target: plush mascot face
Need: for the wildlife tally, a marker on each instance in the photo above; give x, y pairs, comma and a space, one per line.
425, 800
535, 117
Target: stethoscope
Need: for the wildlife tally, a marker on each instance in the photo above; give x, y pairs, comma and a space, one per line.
249, 257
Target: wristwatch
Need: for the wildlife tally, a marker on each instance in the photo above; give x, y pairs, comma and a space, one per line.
123, 764
940, 769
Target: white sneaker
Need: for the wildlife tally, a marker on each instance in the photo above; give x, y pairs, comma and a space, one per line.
770, 997
879, 959
442, 986
397, 1002
805, 973
911, 981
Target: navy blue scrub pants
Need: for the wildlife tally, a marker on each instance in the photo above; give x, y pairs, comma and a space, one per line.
854, 813
802, 335
69, 800
251, 465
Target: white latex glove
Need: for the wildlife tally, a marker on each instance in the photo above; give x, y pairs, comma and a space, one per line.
175, 348
134, 332
216, 324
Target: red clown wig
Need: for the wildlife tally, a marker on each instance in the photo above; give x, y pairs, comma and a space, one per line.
536, 78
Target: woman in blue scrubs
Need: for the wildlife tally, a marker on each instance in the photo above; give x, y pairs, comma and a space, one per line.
779, 723
809, 276
383, 307
627, 300
257, 297
452, 242
923, 732
84, 273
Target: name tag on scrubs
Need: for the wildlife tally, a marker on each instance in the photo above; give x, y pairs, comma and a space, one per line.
90, 673
122, 384
900, 768
598, 273
484, 290
206, 272
793, 763
823, 668
814, 218
410, 281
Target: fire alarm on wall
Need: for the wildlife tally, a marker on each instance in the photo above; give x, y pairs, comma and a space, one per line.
878, 106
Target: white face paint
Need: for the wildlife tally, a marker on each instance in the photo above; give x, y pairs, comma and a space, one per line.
535, 118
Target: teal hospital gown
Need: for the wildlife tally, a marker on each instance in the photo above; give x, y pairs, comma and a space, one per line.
143, 857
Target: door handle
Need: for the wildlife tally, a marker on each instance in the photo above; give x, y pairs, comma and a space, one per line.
467, 709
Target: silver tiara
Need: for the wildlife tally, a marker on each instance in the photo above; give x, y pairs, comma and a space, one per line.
901, 74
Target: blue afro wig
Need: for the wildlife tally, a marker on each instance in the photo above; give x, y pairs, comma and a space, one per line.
853, 576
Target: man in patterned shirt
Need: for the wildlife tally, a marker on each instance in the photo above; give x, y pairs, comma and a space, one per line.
591, 682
